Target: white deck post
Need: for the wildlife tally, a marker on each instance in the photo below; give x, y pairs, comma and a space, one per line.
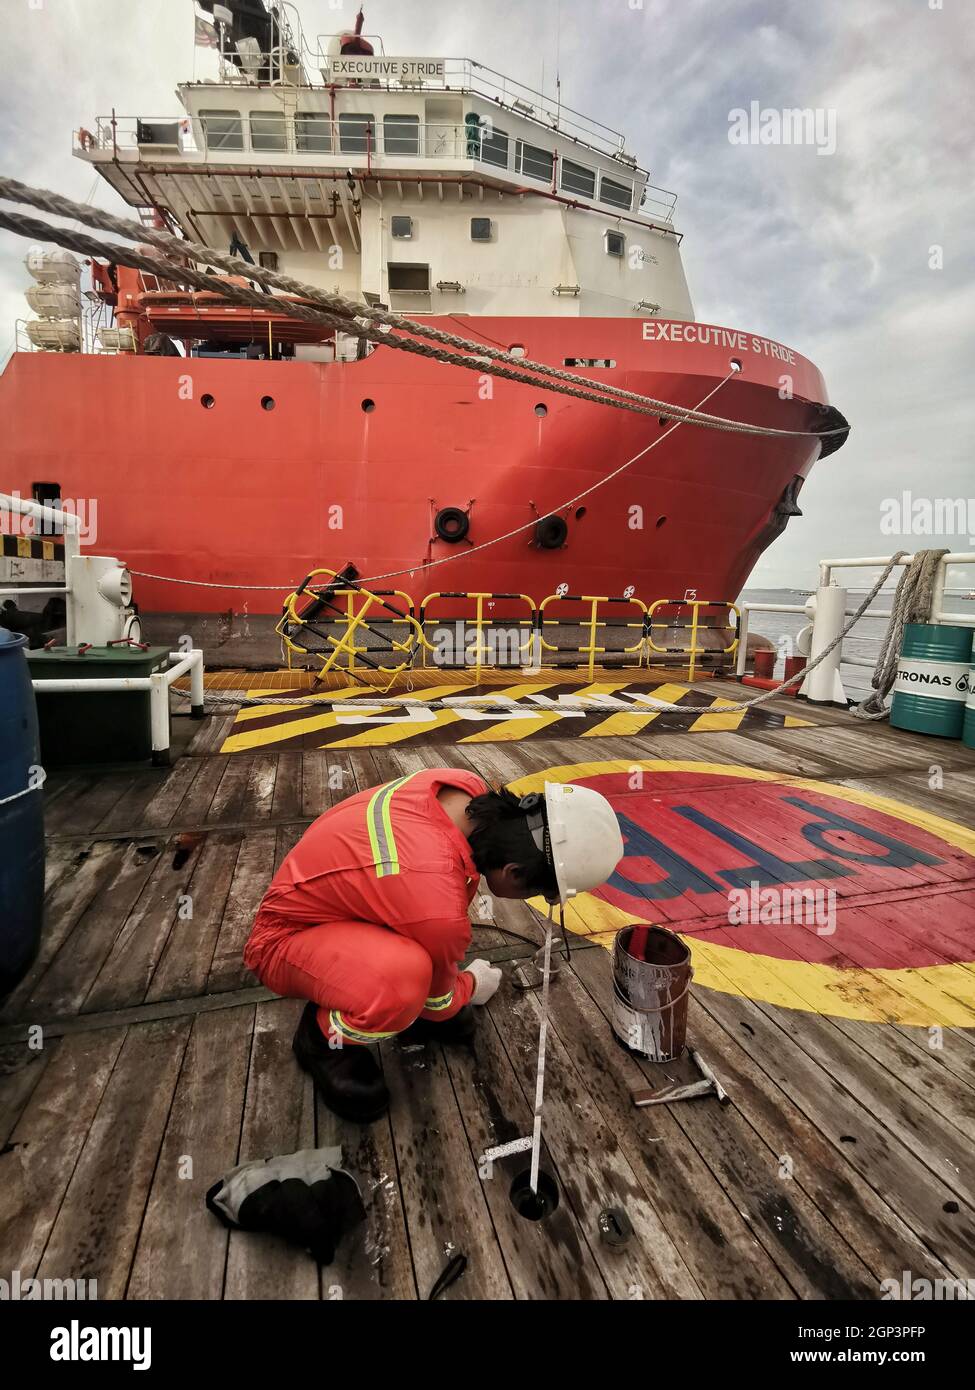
824, 685
159, 718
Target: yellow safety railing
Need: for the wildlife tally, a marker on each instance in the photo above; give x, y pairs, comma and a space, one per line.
692, 651
322, 609
476, 647
328, 615
592, 624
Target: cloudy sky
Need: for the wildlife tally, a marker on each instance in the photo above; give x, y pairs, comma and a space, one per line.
831, 254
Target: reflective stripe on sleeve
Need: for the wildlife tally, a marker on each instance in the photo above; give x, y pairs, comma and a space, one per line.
443, 1001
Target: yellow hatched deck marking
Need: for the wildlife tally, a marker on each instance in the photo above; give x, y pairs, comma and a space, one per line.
627, 723
510, 730
280, 733
379, 735
274, 707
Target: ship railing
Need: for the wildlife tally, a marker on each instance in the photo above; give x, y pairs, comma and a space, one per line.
597, 616
828, 608
466, 76
388, 143
493, 636
684, 615
349, 628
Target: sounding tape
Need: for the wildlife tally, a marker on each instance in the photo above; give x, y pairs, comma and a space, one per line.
533, 1141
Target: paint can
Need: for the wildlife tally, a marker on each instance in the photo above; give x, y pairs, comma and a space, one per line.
651, 978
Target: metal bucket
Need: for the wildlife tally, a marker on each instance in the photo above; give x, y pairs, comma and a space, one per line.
651, 977
931, 684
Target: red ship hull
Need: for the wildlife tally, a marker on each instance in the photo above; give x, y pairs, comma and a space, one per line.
290, 468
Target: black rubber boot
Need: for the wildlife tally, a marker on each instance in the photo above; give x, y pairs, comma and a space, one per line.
348, 1078
459, 1029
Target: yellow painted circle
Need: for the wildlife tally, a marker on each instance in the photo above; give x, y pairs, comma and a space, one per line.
921, 996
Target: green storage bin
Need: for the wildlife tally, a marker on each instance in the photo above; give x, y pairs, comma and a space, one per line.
931, 684
101, 726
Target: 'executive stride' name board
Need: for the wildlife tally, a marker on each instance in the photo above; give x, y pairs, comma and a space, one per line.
355, 67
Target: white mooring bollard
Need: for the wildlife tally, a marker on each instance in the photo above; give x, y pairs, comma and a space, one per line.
828, 612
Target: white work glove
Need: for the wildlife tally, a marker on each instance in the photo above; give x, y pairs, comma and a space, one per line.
486, 980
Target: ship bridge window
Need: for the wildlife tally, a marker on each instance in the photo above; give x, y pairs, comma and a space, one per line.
268, 130
576, 178
313, 133
407, 278
589, 361
401, 134
618, 195
268, 259
533, 162
615, 244
401, 227
357, 132
222, 130
494, 146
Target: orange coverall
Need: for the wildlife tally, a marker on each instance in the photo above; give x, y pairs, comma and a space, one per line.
367, 916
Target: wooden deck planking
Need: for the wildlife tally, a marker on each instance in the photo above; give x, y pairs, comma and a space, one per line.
98, 1222
712, 1216
278, 1117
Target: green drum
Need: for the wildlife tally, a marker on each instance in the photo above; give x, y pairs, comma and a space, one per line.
931, 684
968, 727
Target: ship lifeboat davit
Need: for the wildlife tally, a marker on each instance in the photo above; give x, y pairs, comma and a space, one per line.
207, 314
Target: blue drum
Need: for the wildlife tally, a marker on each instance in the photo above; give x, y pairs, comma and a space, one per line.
21, 816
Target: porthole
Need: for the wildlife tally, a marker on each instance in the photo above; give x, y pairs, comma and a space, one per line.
518, 350
267, 402
207, 402
368, 406
541, 409
580, 513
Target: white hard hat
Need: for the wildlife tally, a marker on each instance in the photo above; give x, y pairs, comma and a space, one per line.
584, 837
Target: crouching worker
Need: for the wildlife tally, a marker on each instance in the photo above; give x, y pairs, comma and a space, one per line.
367, 916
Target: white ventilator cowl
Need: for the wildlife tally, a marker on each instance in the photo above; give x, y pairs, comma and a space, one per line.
585, 837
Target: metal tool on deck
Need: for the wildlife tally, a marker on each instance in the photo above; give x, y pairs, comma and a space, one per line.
533, 1205
707, 1086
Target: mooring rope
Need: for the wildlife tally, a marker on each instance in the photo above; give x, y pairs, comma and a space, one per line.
911, 604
